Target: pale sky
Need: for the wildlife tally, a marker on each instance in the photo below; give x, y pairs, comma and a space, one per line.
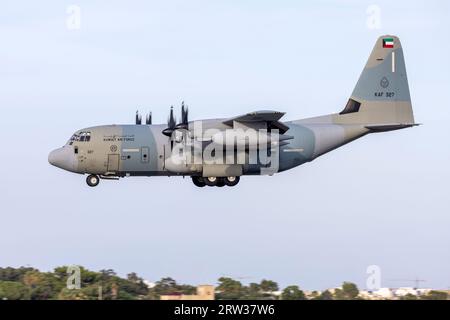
381, 200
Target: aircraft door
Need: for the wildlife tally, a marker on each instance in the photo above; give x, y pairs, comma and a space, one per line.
113, 163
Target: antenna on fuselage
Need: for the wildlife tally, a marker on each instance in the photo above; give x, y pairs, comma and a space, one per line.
148, 118
138, 117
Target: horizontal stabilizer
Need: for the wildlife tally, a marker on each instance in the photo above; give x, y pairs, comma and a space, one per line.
390, 127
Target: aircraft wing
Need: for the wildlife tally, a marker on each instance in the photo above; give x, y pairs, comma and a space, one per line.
271, 118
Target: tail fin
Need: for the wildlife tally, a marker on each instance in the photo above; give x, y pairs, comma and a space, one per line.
381, 97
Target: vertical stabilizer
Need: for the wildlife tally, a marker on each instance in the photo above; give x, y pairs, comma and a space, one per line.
381, 95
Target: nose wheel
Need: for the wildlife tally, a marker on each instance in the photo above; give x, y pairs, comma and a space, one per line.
92, 180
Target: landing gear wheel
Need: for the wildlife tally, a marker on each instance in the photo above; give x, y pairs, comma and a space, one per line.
92, 180
211, 181
199, 182
220, 182
231, 181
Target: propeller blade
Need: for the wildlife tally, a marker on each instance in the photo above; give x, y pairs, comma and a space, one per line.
184, 117
171, 123
184, 114
148, 119
138, 117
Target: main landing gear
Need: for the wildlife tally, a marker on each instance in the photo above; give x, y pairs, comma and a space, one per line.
215, 181
92, 180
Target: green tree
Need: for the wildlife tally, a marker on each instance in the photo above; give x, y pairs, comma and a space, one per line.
435, 295
43, 286
325, 295
338, 294
253, 292
29, 283
14, 291
73, 294
314, 295
167, 286
268, 285
408, 296
187, 289
293, 293
349, 291
230, 289
133, 277
14, 274
135, 286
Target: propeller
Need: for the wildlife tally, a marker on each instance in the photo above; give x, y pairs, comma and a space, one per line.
148, 118
171, 123
184, 116
138, 117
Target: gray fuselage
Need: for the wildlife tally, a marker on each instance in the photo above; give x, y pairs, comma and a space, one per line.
130, 150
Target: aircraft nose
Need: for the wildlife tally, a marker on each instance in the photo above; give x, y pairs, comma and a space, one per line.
62, 158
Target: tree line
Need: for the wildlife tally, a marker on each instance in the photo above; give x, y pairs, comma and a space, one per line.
26, 283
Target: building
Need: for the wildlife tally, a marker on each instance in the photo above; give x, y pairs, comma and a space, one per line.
384, 293
392, 293
401, 292
204, 292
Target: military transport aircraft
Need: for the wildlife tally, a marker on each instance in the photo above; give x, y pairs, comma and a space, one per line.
217, 152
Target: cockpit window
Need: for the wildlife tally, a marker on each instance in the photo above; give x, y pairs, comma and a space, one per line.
83, 136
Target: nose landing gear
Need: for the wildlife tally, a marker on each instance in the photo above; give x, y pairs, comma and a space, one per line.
92, 180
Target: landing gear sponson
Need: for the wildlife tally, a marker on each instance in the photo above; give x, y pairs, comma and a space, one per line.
215, 181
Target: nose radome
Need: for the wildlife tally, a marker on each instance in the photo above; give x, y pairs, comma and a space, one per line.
56, 157
61, 158
52, 157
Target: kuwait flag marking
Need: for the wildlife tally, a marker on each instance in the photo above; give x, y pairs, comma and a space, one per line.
388, 43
